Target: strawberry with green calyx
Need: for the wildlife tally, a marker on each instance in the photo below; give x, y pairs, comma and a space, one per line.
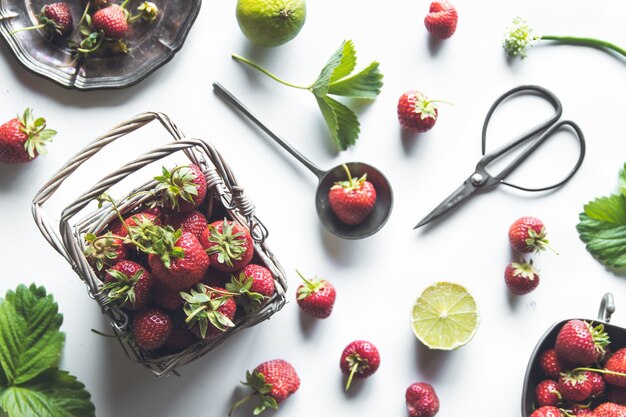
521, 278
581, 343
352, 200
575, 385
254, 284
178, 261
23, 138
528, 234
272, 382
416, 112
181, 189
151, 328
56, 18
316, 297
229, 245
547, 393
359, 359
104, 251
128, 285
139, 221
209, 310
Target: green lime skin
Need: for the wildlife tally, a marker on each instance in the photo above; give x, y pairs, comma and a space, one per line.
271, 22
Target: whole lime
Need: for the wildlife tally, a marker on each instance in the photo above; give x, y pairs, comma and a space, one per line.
270, 22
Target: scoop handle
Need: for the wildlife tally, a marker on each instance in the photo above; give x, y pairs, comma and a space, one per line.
607, 308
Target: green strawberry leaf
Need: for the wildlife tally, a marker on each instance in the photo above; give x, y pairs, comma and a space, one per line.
342, 122
365, 84
622, 179
340, 64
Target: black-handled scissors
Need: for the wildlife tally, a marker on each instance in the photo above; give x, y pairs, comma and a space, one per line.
481, 179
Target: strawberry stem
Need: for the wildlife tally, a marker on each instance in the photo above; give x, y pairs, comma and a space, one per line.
353, 369
266, 72
28, 28
306, 281
240, 403
600, 371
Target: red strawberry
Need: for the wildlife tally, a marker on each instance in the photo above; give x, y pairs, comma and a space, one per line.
135, 222
192, 222
183, 264
441, 20
167, 298
129, 285
104, 251
528, 234
616, 363
209, 317
359, 359
111, 21
181, 189
24, 138
609, 410
575, 385
272, 382
352, 200
546, 411
151, 328
228, 244
421, 400
316, 297
546, 393
597, 384
416, 112
580, 343
582, 411
521, 278
56, 18
254, 285
551, 364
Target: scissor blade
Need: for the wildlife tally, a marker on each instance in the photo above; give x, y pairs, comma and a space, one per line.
456, 198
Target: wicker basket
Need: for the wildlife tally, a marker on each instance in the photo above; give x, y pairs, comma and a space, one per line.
70, 242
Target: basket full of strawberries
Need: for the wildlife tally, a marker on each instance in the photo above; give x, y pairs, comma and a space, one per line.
179, 264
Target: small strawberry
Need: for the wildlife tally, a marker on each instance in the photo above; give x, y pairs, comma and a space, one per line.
129, 285
575, 385
528, 234
167, 298
112, 21
192, 222
421, 400
316, 297
56, 18
416, 112
359, 359
181, 189
209, 310
546, 393
151, 328
546, 411
609, 410
254, 284
616, 363
352, 200
441, 19
272, 382
104, 251
521, 278
580, 343
23, 138
551, 364
228, 244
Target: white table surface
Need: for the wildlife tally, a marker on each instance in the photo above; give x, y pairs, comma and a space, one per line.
378, 278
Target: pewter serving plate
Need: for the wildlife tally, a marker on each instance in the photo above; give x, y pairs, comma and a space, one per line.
151, 45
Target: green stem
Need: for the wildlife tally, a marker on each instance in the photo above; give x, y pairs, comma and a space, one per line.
266, 72
601, 371
307, 282
240, 402
345, 167
28, 28
586, 41
353, 370
82, 19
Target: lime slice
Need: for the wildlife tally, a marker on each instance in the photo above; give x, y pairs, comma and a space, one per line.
445, 316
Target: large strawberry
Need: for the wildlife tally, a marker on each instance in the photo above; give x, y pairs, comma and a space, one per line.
416, 112
521, 277
441, 19
551, 364
272, 383
616, 363
254, 284
209, 310
580, 343
129, 285
352, 200
192, 222
359, 359
316, 297
609, 410
528, 234
181, 189
547, 393
229, 245
421, 400
575, 385
546, 411
112, 21
56, 18
151, 328
23, 138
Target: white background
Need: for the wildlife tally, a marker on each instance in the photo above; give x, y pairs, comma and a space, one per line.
377, 279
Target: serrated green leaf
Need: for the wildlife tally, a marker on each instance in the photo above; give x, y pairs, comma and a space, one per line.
342, 122
602, 227
347, 64
30, 340
344, 59
366, 84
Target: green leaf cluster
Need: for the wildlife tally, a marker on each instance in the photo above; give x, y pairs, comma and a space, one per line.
30, 349
602, 226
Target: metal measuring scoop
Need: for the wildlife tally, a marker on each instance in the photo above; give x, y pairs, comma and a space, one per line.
326, 179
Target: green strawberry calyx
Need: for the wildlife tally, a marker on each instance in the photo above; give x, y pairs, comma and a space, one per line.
148, 11
122, 288
102, 250
175, 185
538, 242
262, 390
525, 270
599, 336
201, 308
574, 377
241, 285
227, 244
352, 184
311, 286
38, 135
357, 363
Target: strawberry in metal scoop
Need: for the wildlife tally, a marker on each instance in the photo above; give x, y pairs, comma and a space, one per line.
580, 343
352, 200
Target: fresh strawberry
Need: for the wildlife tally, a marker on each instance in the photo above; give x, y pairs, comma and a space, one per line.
546, 411
191, 222
167, 298
575, 385
254, 284
209, 317
316, 297
104, 251
580, 343
546, 393
151, 328
551, 364
616, 363
112, 21
597, 384
416, 112
616, 394
228, 244
182, 263
24, 138
441, 19
521, 278
181, 189
129, 285
359, 359
56, 18
528, 234
609, 410
421, 400
272, 382
135, 222
352, 200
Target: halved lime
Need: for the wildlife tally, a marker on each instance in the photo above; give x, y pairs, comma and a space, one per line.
445, 316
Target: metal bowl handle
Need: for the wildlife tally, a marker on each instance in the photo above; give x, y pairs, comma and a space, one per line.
607, 308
